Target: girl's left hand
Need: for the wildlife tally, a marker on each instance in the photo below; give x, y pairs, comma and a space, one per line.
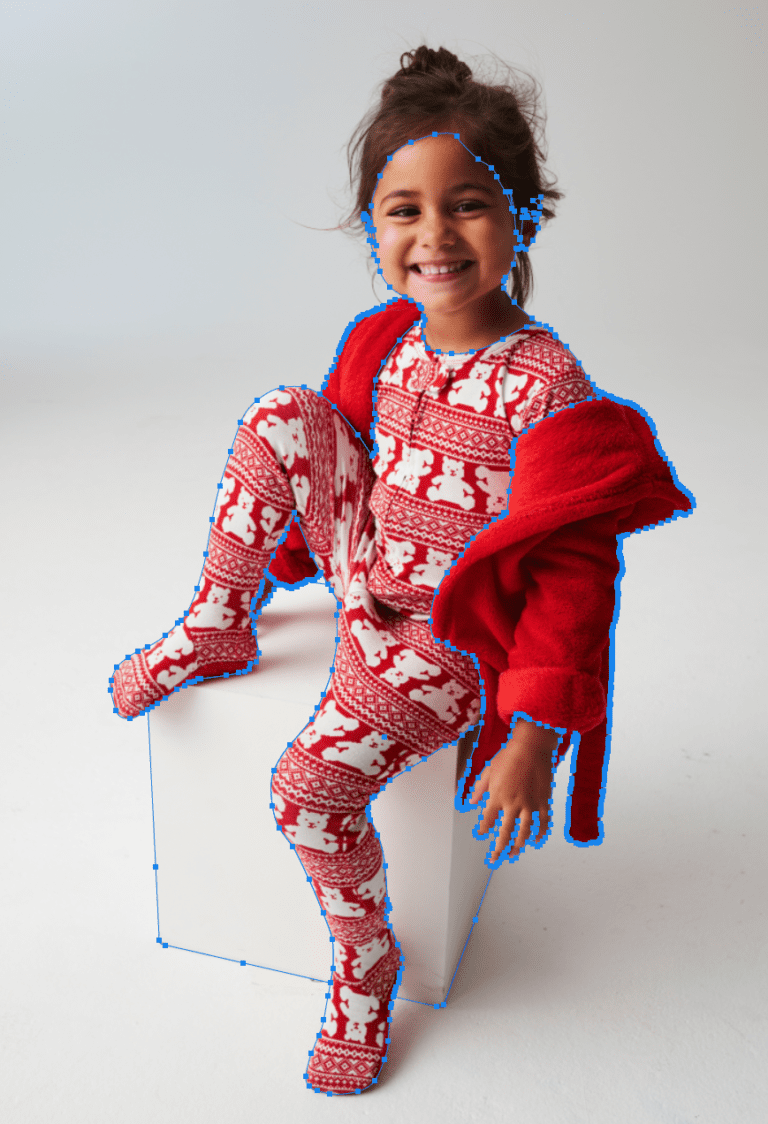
519, 782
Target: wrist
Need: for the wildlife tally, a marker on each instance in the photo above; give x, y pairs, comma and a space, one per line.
533, 737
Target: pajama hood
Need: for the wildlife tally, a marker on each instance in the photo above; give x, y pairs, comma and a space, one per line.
542, 632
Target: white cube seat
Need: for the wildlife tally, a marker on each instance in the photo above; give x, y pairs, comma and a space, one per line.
230, 885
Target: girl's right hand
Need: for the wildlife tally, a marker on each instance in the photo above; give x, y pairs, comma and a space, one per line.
519, 782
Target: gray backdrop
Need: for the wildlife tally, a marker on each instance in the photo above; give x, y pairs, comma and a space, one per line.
159, 158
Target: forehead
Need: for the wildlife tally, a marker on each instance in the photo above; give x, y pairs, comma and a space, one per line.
432, 164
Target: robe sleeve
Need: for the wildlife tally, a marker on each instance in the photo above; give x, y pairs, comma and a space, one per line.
554, 663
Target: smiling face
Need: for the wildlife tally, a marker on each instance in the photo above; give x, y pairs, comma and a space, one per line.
446, 238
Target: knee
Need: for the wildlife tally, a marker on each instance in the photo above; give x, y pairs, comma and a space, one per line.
284, 417
285, 402
293, 782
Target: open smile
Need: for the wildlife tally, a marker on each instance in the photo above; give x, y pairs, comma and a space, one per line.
440, 273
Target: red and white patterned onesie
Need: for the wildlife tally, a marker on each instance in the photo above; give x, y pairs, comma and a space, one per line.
382, 532
444, 433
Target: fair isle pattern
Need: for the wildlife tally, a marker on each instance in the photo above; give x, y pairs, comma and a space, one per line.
444, 433
439, 695
395, 694
352, 1044
214, 636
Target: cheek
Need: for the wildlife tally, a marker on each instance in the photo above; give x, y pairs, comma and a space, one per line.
501, 253
389, 241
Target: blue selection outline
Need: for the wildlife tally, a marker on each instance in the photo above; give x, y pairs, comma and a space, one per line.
534, 216
282, 971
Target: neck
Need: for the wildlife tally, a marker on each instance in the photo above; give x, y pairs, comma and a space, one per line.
473, 328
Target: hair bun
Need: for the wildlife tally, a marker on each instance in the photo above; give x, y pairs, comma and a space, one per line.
426, 61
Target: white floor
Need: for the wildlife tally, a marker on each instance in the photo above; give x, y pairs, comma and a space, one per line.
618, 984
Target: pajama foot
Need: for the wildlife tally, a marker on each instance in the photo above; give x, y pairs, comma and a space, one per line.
146, 677
352, 1046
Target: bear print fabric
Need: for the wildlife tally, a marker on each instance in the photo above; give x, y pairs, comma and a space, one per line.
445, 426
395, 694
383, 533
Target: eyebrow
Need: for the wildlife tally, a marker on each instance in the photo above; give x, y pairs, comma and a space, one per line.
458, 187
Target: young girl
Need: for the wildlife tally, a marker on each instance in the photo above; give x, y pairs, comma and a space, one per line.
450, 188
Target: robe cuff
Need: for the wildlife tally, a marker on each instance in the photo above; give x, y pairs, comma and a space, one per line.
571, 700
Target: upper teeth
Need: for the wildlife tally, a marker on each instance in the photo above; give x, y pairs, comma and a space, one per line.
442, 268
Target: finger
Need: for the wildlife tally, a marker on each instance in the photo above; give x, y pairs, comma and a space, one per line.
489, 819
480, 787
525, 826
505, 833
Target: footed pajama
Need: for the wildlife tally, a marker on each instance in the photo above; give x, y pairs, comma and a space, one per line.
383, 534
395, 694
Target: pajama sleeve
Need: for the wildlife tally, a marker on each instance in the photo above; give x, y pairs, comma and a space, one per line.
540, 378
555, 659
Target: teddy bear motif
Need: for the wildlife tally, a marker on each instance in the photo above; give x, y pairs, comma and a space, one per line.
368, 955
408, 665
473, 713
268, 520
332, 900
413, 464
341, 529
373, 644
357, 595
172, 647
286, 436
346, 457
374, 889
273, 398
245, 608
367, 755
440, 699
300, 488
398, 553
175, 675
386, 444
406, 356
238, 520
358, 1010
495, 485
213, 612
329, 722
431, 572
473, 389
451, 487
512, 387
310, 831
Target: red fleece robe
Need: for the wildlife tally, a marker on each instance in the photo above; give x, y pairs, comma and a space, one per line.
533, 595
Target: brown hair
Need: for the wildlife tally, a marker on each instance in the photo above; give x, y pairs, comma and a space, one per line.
502, 124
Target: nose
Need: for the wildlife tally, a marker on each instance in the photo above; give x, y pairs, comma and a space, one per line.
436, 230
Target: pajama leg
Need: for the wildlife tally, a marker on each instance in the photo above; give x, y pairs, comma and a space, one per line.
394, 697
283, 448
